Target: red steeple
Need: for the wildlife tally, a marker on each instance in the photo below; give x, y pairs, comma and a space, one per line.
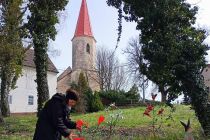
83, 23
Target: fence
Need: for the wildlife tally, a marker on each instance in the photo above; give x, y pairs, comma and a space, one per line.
129, 102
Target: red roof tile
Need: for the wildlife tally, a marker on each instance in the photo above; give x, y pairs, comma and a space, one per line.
83, 23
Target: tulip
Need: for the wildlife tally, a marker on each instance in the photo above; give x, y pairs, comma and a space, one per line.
79, 124
150, 107
101, 119
146, 112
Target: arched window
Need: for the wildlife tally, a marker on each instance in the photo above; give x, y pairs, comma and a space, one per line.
88, 48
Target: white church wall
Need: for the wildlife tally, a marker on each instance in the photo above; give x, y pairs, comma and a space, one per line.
52, 83
23, 99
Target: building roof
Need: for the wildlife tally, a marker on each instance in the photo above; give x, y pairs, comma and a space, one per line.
66, 72
83, 23
208, 65
29, 61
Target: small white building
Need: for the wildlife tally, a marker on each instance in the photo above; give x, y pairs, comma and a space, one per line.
23, 99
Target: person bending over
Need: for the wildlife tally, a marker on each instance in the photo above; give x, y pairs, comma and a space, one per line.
53, 121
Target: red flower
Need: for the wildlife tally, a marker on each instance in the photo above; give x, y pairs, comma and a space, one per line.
79, 124
153, 96
79, 138
146, 112
149, 107
101, 119
160, 111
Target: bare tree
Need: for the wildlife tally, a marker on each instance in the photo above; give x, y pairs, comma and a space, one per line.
134, 63
119, 77
109, 70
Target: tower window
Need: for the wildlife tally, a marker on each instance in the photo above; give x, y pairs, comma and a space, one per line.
88, 48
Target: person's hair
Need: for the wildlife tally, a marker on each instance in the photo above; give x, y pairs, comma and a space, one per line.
71, 94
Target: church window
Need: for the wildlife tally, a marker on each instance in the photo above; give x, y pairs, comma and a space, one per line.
30, 100
88, 48
10, 99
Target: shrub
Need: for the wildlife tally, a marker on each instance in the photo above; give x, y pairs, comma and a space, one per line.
96, 104
94, 101
88, 97
133, 93
112, 96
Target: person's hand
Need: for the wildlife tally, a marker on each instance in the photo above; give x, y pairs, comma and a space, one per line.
71, 136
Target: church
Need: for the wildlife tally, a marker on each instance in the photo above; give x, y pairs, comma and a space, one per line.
83, 54
23, 99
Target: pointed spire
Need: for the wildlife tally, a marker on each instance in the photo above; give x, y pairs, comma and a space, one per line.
83, 23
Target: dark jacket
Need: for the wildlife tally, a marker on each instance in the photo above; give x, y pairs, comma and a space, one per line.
54, 120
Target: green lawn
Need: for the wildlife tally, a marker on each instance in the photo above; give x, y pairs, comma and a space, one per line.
134, 125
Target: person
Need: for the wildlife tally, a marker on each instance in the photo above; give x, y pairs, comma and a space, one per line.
53, 121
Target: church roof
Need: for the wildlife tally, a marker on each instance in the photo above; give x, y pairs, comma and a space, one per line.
83, 23
29, 61
65, 73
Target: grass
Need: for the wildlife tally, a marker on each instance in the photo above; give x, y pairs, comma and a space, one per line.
18, 128
134, 123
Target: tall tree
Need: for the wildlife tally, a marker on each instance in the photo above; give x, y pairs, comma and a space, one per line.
134, 64
105, 63
119, 78
81, 87
11, 49
111, 74
41, 25
1, 21
82, 83
173, 48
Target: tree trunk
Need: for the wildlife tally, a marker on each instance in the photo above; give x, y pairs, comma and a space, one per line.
209, 97
200, 103
5, 84
1, 117
207, 129
202, 110
143, 90
163, 97
163, 94
203, 114
41, 61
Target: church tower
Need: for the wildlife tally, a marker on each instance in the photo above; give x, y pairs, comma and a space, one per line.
84, 49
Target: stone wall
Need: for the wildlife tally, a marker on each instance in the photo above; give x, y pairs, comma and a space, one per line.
92, 78
84, 61
81, 58
64, 84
